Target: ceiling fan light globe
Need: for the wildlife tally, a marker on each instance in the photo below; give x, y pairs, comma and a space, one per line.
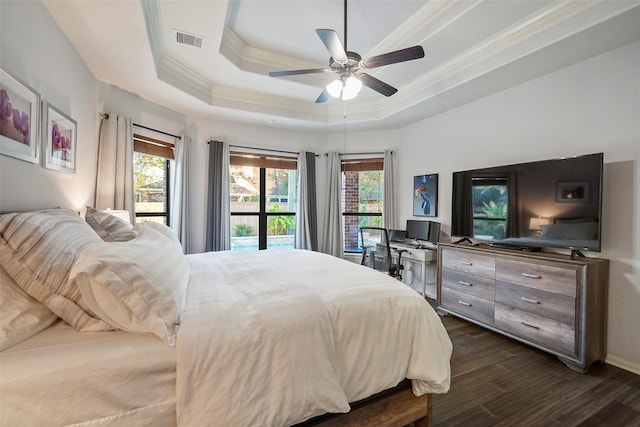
353, 84
335, 88
351, 89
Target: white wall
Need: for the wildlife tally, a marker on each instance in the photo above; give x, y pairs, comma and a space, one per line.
112, 99
589, 107
34, 50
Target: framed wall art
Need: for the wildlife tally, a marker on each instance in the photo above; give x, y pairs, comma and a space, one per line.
59, 139
425, 195
572, 192
19, 119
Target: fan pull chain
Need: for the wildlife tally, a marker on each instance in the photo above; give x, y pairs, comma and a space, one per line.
344, 114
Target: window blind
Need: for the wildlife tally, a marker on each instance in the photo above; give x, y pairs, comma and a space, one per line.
257, 160
357, 165
152, 146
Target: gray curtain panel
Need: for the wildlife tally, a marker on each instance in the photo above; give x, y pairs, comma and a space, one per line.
307, 214
333, 244
218, 203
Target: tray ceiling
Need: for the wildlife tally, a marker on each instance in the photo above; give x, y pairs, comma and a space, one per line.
473, 48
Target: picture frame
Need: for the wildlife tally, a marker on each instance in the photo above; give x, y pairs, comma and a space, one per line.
572, 192
19, 119
425, 195
59, 138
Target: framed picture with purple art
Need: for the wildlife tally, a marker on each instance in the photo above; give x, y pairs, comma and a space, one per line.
425, 195
19, 119
59, 140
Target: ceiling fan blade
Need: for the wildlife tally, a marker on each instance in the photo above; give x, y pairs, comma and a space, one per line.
401, 55
333, 44
296, 72
377, 85
324, 97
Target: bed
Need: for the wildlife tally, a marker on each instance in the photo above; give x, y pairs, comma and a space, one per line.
113, 325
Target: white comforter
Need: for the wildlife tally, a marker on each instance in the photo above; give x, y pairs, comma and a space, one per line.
272, 338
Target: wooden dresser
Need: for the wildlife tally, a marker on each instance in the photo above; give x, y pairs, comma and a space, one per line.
546, 300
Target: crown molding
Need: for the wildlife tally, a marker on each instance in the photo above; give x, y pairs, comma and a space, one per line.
261, 61
153, 24
427, 20
549, 25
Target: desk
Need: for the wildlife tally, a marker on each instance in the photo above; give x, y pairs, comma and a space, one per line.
425, 258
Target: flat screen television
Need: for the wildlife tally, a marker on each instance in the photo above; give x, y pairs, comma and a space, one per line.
423, 231
530, 206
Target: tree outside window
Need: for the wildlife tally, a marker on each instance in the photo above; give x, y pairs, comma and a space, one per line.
151, 188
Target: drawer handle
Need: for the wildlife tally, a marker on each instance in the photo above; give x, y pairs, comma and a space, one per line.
532, 301
466, 263
532, 276
529, 325
464, 303
465, 283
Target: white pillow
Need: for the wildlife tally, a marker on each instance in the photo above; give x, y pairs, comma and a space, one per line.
162, 228
38, 249
21, 316
138, 286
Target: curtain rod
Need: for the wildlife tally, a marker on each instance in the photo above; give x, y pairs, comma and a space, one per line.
156, 130
106, 116
361, 154
262, 149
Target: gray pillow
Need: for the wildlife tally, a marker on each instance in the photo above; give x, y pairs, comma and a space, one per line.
109, 227
570, 231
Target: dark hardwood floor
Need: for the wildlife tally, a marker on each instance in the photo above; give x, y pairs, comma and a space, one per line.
497, 381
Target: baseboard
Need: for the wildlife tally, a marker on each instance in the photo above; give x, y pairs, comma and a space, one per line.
623, 364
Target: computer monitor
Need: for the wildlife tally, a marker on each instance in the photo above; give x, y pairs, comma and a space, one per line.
434, 232
397, 235
426, 231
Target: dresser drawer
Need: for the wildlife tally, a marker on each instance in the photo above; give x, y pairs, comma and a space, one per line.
543, 299
477, 308
479, 286
556, 279
469, 262
547, 304
546, 332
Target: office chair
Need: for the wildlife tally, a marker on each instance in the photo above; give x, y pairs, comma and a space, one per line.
376, 252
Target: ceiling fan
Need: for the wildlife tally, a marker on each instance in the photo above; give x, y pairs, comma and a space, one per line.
350, 66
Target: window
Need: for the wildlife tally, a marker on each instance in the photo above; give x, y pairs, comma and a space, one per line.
152, 160
362, 197
490, 198
263, 190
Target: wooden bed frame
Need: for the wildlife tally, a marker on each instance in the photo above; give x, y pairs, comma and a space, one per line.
395, 407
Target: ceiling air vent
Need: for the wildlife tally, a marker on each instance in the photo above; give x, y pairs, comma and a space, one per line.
186, 38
